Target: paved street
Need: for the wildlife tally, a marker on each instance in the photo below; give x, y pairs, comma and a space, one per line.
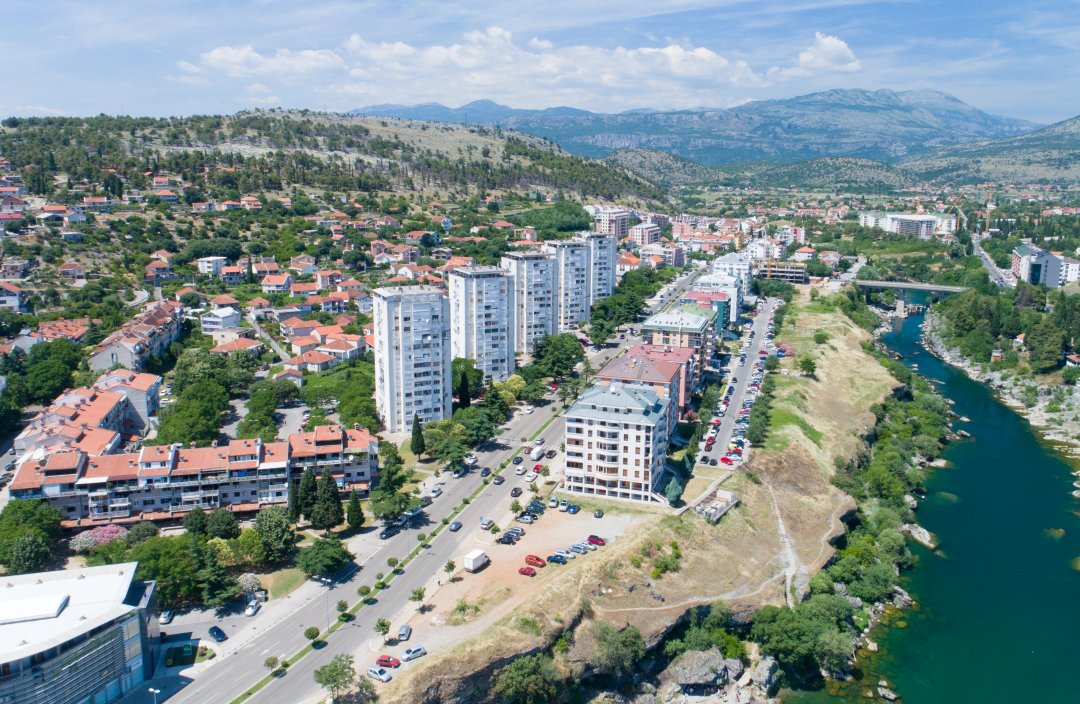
278, 630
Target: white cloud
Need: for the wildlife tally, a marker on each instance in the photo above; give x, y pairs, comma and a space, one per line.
827, 54
259, 94
489, 63
245, 62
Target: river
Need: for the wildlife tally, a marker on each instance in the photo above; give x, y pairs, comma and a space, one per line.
998, 615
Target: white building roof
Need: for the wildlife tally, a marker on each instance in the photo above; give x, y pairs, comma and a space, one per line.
42, 610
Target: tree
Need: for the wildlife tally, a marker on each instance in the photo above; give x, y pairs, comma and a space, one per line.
463, 392
311, 633
216, 585
447, 440
325, 557
249, 583
417, 595
807, 366
222, 523
308, 493
416, 443
140, 532
772, 363
673, 491
30, 552
363, 591
250, 547
821, 337
337, 676
327, 512
18, 517
271, 663
529, 680
275, 534
195, 521
355, 514
618, 651
449, 567
833, 650
382, 627
1071, 375
392, 562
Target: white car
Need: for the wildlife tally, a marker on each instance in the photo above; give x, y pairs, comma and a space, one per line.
252, 608
566, 554
165, 618
417, 651
564, 505
520, 469
529, 409
470, 460
379, 673
531, 476
538, 442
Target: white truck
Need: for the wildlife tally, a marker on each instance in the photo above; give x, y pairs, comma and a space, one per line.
475, 561
537, 453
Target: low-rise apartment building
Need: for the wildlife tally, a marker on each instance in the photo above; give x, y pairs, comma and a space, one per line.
148, 333
683, 326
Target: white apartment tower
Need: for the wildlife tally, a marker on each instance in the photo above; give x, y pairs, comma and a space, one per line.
412, 355
482, 319
572, 286
612, 221
534, 297
616, 442
601, 265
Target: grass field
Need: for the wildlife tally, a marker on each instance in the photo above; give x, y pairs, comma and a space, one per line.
283, 582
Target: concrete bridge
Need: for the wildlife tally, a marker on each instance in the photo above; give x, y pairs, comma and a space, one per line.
911, 286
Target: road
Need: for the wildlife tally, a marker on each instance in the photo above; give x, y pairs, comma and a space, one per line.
239, 668
742, 373
995, 274
282, 354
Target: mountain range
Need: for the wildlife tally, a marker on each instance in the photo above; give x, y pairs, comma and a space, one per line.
881, 125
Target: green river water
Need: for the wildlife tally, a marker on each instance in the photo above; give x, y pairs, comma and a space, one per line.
998, 605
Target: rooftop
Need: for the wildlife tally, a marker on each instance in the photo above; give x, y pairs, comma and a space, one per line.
619, 402
630, 368
680, 319
45, 609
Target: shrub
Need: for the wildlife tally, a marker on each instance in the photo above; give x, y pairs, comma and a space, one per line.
102, 535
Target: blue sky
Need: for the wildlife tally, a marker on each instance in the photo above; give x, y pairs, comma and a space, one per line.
72, 57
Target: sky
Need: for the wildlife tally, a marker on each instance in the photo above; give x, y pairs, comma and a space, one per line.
182, 57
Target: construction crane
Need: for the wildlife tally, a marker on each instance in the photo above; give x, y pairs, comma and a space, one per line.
954, 209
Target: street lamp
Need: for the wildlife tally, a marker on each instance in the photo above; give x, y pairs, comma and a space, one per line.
154, 692
328, 583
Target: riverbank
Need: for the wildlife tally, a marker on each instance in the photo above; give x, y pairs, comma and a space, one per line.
1053, 410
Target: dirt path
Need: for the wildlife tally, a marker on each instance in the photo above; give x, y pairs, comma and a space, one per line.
788, 556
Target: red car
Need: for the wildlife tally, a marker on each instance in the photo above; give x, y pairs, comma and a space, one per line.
553, 386
737, 451
387, 661
716, 422
527, 571
762, 352
597, 540
534, 560
726, 461
537, 467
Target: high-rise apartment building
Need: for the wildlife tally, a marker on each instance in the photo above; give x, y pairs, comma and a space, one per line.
412, 355
481, 319
601, 265
534, 300
572, 282
616, 442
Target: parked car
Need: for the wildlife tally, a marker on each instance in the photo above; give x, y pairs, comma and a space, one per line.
597, 540
485, 471
531, 477
598, 513
529, 409
534, 561
471, 459
726, 461
538, 442
217, 634
388, 661
252, 608
556, 559
578, 549
572, 509
517, 460
379, 673
165, 618
565, 554
405, 632
553, 502
525, 518
587, 545
550, 454
498, 479
454, 526
516, 530
519, 470
417, 651
436, 492
506, 539
564, 505
527, 571
458, 473
388, 532
516, 491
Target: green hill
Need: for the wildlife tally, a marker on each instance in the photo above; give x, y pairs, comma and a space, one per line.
1049, 154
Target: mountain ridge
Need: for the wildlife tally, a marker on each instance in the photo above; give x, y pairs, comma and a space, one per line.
882, 125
